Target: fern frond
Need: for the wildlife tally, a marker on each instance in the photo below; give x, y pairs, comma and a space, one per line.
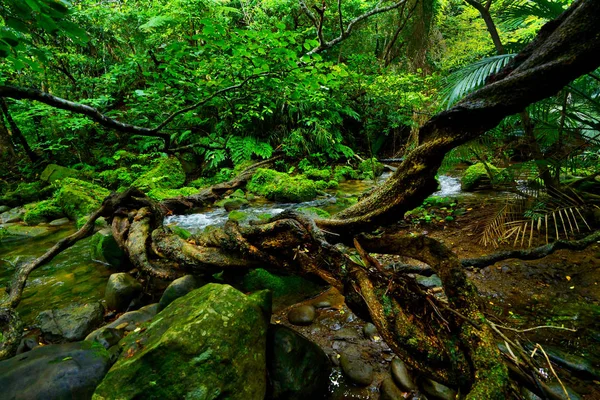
473, 76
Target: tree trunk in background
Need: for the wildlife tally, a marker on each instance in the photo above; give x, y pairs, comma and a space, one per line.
7, 148
17, 134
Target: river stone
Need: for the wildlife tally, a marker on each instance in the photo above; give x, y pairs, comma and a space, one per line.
208, 344
389, 391
4, 209
13, 215
72, 323
63, 371
178, 288
556, 388
356, 369
402, 375
234, 204
120, 290
106, 336
105, 249
298, 368
322, 304
302, 315
435, 390
18, 231
370, 331
428, 281
580, 366
125, 323
59, 222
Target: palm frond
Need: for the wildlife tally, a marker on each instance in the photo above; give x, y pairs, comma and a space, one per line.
519, 12
473, 76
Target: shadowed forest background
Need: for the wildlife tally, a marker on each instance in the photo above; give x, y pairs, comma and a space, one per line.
298, 199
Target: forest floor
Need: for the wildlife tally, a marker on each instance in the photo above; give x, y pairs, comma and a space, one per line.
562, 289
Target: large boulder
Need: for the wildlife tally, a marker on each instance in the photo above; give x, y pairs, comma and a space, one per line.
78, 199
166, 174
298, 368
282, 187
64, 371
26, 192
13, 215
46, 210
121, 289
55, 172
208, 344
72, 323
105, 249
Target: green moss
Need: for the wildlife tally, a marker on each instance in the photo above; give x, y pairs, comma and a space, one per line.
315, 211
477, 174
238, 216
342, 173
26, 192
223, 175
279, 186
116, 178
260, 279
161, 194
78, 199
179, 231
367, 167
166, 174
55, 172
46, 210
104, 248
318, 174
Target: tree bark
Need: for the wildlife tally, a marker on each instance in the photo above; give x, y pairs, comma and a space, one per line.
17, 132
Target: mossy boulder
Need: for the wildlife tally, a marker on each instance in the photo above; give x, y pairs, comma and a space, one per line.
55, 172
166, 174
161, 194
78, 199
280, 186
26, 192
208, 344
238, 216
476, 176
105, 249
344, 172
232, 203
43, 211
318, 174
119, 177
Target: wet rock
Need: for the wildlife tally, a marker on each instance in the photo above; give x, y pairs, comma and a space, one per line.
120, 290
298, 368
71, 324
428, 281
528, 395
580, 366
346, 334
302, 315
178, 288
234, 204
402, 375
4, 209
322, 304
188, 351
64, 371
106, 336
370, 331
105, 249
435, 390
13, 215
127, 322
59, 222
556, 388
17, 231
357, 370
389, 391
27, 344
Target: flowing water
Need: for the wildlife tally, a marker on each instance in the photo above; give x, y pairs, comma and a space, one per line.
71, 277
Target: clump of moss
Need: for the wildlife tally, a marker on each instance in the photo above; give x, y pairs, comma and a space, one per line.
160, 194
315, 211
259, 279
322, 185
78, 199
344, 172
26, 192
116, 178
43, 211
477, 175
369, 167
55, 172
166, 174
316, 174
279, 186
238, 216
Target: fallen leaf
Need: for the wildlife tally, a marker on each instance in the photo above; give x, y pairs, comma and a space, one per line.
568, 277
572, 287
